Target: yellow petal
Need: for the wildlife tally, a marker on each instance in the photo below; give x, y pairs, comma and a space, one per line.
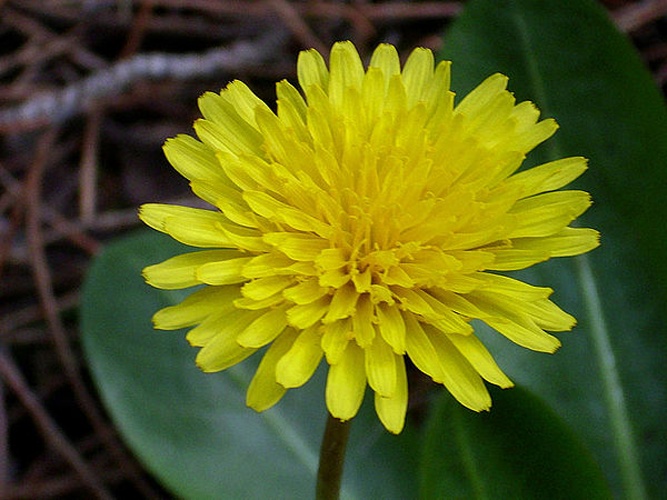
192, 226
331, 258
276, 140
221, 349
397, 276
481, 360
320, 129
256, 305
381, 368
223, 272
244, 172
297, 246
534, 135
214, 136
299, 363
264, 391
421, 350
238, 135
224, 324
306, 315
346, 383
566, 243
181, 271
362, 322
276, 211
253, 172
342, 305
524, 333
418, 75
262, 288
196, 307
517, 319
460, 378
226, 197
549, 176
263, 329
518, 290
244, 239
397, 98
441, 101
391, 411
312, 71
373, 91
380, 294
457, 302
541, 311
335, 339
441, 316
221, 354
291, 106
512, 259
477, 101
267, 264
346, 71
335, 278
305, 292
392, 327
192, 159
385, 57
243, 99
548, 213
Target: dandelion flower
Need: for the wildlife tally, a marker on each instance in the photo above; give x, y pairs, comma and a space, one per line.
366, 221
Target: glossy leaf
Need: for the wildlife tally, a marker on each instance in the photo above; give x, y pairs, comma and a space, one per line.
521, 449
193, 430
609, 381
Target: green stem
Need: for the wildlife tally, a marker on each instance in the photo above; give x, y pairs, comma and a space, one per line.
332, 459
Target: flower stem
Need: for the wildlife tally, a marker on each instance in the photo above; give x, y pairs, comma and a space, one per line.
332, 459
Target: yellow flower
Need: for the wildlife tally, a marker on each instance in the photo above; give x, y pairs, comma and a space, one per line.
364, 222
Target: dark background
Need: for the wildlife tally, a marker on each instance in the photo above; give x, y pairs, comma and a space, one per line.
89, 91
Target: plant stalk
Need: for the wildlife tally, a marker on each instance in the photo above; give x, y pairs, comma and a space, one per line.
332, 459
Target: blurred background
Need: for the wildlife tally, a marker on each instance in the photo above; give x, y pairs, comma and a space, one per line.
89, 91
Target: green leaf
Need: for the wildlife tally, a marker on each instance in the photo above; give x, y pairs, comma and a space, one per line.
520, 449
609, 381
193, 430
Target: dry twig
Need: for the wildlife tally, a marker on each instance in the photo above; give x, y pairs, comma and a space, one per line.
96, 61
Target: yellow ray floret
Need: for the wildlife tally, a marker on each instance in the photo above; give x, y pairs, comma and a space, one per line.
363, 223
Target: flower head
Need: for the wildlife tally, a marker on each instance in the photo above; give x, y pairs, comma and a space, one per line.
364, 222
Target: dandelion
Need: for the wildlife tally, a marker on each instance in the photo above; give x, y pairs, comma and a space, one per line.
368, 220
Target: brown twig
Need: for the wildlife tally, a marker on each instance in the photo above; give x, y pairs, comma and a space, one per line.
296, 24
49, 430
12, 226
45, 44
320, 9
55, 107
138, 29
633, 16
19, 320
61, 487
49, 305
4, 444
64, 227
56, 46
88, 166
